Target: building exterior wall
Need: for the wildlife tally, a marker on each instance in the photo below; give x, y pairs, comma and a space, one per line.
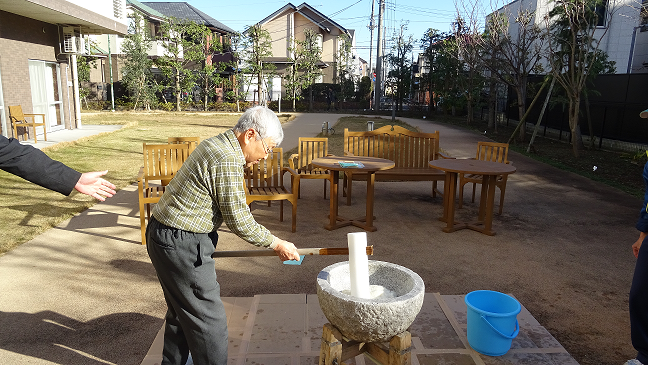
23, 39
279, 29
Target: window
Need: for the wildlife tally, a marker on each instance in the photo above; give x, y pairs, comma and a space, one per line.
601, 13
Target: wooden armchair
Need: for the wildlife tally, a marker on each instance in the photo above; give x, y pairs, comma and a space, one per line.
191, 141
487, 151
161, 162
307, 150
265, 181
19, 119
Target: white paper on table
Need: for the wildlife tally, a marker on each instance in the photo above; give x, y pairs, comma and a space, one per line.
358, 264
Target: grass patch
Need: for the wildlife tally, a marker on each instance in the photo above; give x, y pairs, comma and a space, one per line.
621, 170
28, 209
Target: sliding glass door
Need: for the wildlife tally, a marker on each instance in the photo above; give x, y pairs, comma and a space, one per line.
45, 82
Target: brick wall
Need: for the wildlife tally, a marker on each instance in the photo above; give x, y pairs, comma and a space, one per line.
23, 39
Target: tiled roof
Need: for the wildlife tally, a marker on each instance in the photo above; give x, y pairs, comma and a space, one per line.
184, 11
145, 8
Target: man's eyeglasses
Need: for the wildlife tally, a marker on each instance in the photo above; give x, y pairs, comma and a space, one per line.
268, 149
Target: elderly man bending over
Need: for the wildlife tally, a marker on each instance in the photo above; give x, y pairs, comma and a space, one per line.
182, 234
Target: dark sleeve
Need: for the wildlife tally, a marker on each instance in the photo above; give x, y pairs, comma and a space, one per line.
35, 166
642, 223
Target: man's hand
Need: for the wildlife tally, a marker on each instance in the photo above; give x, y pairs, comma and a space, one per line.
91, 183
637, 245
286, 250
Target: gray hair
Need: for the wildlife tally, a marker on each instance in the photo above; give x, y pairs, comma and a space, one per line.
262, 120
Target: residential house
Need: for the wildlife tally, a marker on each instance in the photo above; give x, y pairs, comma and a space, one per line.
39, 43
154, 14
622, 25
287, 24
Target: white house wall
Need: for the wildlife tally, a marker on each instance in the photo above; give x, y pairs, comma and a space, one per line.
105, 8
623, 16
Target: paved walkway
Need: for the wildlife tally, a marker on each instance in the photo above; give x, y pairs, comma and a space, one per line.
286, 329
84, 292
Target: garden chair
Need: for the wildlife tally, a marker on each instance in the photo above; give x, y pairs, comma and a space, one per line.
191, 141
19, 119
487, 151
161, 162
307, 150
264, 181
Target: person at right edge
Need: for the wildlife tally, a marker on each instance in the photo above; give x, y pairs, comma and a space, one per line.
639, 290
182, 234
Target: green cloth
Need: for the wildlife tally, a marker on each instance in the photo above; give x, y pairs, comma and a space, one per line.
209, 189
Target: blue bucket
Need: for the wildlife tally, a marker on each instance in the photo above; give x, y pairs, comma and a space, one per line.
492, 321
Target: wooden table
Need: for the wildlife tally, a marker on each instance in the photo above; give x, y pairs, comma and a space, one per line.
489, 170
371, 165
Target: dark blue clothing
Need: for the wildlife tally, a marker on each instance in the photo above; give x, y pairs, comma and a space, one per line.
639, 290
35, 166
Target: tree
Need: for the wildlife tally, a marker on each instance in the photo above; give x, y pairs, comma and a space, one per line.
469, 53
210, 73
400, 74
307, 56
432, 43
574, 51
291, 77
511, 57
84, 65
136, 73
344, 67
256, 47
182, 48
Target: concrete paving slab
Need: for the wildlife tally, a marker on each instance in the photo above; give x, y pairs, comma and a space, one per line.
278, 336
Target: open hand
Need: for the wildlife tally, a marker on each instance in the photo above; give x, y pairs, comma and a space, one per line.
91, 183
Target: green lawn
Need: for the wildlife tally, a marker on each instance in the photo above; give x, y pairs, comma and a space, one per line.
28, 209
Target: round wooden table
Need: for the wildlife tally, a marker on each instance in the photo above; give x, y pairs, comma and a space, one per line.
489, 171
371, 165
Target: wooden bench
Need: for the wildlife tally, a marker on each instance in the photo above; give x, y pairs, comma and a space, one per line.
410, 151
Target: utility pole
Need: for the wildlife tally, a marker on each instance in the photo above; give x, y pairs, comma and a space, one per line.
371, 28
379, 78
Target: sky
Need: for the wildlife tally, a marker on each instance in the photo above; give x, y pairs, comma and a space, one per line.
351, 14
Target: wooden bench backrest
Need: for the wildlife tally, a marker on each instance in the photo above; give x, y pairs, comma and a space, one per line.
267, 172
191, 141
404, 147
162, 161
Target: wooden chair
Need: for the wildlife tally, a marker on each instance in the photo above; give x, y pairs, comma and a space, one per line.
191, 141
265, 181
161, 162
307, 150
487, 151
19, 119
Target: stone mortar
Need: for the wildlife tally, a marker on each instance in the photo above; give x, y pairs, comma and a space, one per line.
370, 320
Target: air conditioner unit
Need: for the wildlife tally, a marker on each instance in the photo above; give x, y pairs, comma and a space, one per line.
72, 42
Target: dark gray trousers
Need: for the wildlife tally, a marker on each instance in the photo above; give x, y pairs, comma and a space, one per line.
196, 320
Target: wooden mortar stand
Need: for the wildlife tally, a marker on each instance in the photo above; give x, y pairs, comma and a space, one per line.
336, 349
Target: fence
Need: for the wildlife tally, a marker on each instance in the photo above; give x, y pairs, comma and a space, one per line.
614, 109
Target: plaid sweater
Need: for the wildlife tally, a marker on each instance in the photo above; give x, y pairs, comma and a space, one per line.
209, 190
